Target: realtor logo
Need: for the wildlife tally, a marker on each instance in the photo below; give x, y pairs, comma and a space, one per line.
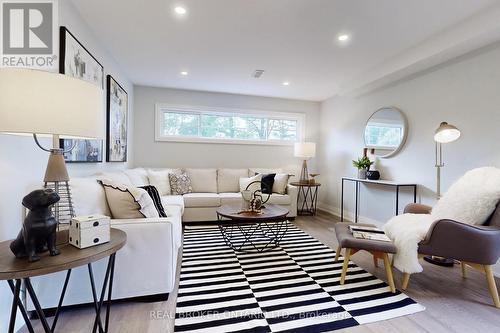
28, 33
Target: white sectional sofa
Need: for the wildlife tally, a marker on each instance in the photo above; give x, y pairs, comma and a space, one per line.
146, 266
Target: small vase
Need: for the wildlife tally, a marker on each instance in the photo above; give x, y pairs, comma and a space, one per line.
362, 173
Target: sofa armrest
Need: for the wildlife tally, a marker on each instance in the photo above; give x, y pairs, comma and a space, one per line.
415, 208
293, 192
464, 242
148, 220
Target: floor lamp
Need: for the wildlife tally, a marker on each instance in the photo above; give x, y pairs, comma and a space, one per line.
445, 133
44, 104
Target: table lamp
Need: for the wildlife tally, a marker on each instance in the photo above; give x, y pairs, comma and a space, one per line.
305, 151
41, 103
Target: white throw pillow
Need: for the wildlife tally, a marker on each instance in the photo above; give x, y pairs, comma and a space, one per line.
128, 202
280, 183
203, 180
244, 182
137, 176
228, 179
472, 198
88, 196
160, 180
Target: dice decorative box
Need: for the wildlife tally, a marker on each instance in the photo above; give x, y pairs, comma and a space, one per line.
89, 230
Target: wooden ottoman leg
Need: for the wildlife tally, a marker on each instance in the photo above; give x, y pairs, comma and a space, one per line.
346, 264
406, 280
337, 253
375, 261
464, 269
388, 272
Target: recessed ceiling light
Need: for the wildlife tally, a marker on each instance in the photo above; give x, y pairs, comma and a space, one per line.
286, 83
184, 73
180, 10
343, 38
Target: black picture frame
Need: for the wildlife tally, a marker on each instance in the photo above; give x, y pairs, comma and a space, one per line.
75, 155
80, 66
116, 121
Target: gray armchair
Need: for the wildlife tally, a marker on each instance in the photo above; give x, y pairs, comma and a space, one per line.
475, 246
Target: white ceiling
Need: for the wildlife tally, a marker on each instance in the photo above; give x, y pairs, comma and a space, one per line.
221, 42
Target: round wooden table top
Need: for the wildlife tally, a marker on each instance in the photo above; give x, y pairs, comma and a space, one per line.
305, 184
269, 214
13, 268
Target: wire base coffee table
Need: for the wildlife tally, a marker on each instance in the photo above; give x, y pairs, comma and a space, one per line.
252, 232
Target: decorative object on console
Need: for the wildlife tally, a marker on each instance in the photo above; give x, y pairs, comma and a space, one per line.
44, 103
363, 165
386, 131
84, 151
128, 202
38, 233
155, 196
180, 184
117, 111
89, 230
372, 174
305, 151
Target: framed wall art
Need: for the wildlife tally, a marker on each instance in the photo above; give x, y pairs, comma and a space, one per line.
76, 61
116, 131
84, 151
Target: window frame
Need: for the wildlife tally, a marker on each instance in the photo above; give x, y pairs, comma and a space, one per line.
161, 108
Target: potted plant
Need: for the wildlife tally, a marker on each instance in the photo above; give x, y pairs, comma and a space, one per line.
362, 164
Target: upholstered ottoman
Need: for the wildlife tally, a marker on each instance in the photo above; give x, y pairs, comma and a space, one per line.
379, 249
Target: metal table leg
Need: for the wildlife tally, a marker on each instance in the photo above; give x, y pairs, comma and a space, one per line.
356, 209
21, 308
397, 199
342, 202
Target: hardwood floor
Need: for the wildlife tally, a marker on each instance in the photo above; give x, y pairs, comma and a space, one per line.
453, 304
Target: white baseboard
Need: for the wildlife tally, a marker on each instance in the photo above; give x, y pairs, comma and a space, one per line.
348, 215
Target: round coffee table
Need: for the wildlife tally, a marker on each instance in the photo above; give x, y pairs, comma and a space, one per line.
252, 232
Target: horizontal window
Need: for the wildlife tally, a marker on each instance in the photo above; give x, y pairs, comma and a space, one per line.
197, 124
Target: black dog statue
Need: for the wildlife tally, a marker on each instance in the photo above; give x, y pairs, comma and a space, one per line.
39, 228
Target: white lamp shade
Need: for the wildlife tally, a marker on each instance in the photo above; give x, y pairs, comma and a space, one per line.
304, 149
446, 133
39, 102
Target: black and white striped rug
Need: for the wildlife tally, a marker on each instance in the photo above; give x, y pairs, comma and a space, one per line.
293, 288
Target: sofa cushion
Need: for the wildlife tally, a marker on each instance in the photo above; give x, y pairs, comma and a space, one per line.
155, 196
138, 176
229, 198
160, 179
279, 199
201, 200
228, 180
174, 210
203, 180
88, 196
116, 177
173, 200
253, 171
128, 202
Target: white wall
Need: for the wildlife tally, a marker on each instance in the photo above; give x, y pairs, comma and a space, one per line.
464, 92
150, 153
22, 164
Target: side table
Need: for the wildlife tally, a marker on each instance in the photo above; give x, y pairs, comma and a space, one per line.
16, 271
307, 198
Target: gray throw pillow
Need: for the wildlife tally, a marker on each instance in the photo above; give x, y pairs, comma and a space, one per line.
180, 184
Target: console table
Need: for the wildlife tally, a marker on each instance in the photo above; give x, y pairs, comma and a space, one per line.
16, 270
390, 183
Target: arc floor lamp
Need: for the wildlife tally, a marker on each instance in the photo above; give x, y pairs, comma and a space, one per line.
41, 104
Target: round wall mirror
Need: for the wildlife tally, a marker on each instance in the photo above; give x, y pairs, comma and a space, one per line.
385, 132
